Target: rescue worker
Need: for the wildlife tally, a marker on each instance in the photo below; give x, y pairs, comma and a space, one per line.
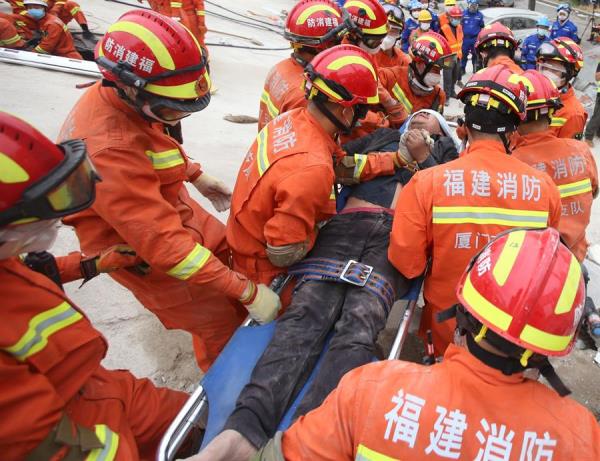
414, 8
477, 403
449, 212
16, 6
194, 18
130, 122
55, 37
276, 205
531, 44
451, 29
26, 27
67, 11
307, 26
9, 37
568, 162
57, 401
435, 20
563, 27
593, 126
448, 4
391, 53
425, 20
419, 88
496, 45
472, 23
560, 60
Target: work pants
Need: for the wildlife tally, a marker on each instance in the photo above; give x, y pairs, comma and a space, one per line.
451, 76
468, 47
593, 125
357, 314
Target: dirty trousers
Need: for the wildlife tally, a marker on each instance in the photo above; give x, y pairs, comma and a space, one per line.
302, 330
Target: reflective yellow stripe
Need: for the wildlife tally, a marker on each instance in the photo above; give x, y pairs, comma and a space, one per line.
41, 327
490, 215
575, 188
39, 49
507, 258
484, 308
165, 159
558, 121
200, 12
348, 60
401, 97
262, 158
192, 263
11, 40
366, 454
75, 10
175, 4
265, 97
314, 9
183, 91
10, 171
570, 287
110, 440
544, 340
360, 161
65, 28
150, 40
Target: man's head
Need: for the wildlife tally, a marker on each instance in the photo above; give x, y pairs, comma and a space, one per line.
563, 10
40, 182
425, 20
157, 65
425, 120
430, 53
495, 40
313, 26
495, 103
36, 9
560, 60
371, 24
414, 8
449, 4
543, 98
524, 295
341, 83
455, 13
395, 17
472, 5
543, 27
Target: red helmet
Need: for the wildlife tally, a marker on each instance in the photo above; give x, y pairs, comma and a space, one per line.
496, 35
432, 48
369, 16
157, 55
526, 287
310, 21
455, 12
496, 88
39, 179
345, 74
543, 98
565, 50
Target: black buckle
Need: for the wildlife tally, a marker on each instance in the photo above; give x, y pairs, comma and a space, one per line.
356, 273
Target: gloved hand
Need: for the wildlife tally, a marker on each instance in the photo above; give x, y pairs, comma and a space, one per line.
214, 190
111, 259
262, 303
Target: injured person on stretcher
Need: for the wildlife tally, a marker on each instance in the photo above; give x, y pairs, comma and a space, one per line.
331, 302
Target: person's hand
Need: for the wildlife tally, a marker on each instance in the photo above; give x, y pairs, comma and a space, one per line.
262, 303
396, 115
214, 190
117, 257
418, 144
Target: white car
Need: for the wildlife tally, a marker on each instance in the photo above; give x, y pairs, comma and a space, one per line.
522, 22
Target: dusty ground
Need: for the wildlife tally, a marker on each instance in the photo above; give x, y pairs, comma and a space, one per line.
137, 340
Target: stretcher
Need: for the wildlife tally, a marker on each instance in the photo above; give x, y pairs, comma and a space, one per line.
204, 414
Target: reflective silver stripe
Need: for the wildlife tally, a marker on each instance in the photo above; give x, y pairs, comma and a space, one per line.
110, 440
575, 188
191, 264
165, 159
489, 215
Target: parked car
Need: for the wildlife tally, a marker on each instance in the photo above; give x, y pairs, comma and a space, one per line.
521, 22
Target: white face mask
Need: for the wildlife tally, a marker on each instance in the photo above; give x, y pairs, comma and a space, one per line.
543, 32
25, 238
370, 50
415, 14
425, 26
431, 79
558, 81
388, 42
562, 16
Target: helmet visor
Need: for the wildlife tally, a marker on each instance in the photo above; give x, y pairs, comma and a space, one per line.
446, 62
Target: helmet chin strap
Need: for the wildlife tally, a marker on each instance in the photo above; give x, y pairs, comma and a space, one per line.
333, 119
416, 79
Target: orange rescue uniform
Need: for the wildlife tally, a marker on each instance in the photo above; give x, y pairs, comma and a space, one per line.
25, 25
456, 409
142, 200
67, 10
56, 38
283, 189
454, 39
50, 367
395, 80
449, 212
16, 5
398, 58
569, 120
283, 91
9, 37
572, 167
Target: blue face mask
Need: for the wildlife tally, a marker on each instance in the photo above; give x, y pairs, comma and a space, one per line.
36, 14
543, 32
455, 22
